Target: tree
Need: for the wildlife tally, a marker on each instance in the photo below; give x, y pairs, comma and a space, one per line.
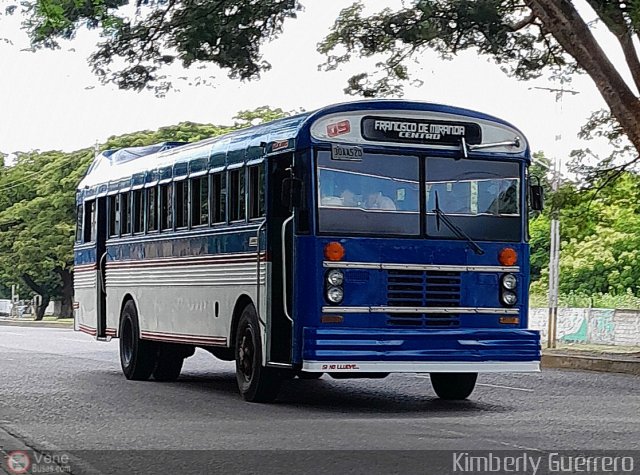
228, 34
525, 38
600, 239
37, 223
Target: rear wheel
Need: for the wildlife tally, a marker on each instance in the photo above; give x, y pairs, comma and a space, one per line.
453, 386
255, 382
137, 356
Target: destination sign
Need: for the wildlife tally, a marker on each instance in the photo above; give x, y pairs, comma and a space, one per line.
437, 132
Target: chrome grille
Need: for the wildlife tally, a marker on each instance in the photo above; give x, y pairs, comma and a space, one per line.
410, 288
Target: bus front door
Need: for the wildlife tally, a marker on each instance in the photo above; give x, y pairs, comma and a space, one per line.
280, 251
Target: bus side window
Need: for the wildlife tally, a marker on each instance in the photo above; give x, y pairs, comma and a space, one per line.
125, 213
138, 211
219, 198
114, 216
79, 221
90, 221
237, 194
256, 191
152, 209
182, 204
200, 201
166, 199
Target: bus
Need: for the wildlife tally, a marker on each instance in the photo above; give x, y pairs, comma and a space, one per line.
358, 240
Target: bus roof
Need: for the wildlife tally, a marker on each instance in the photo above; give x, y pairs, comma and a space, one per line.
388, 122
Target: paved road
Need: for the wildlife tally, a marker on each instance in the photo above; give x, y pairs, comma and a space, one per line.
62, 390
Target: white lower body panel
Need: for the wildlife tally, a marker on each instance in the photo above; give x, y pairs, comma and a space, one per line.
421, 366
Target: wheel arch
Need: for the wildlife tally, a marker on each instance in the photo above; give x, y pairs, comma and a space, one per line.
241, 303
127, 297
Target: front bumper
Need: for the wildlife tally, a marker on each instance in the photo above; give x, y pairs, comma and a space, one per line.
413, 351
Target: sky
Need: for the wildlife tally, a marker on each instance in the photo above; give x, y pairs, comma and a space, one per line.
52, 100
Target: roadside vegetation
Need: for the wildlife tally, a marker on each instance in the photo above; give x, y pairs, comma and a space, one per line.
600, 242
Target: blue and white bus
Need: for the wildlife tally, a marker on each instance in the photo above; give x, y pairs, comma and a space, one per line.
358, 240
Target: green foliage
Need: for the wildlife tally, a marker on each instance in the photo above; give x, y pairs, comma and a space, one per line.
600, 243
257, 116
598, 300
183, 132
502, 30
228, 34
37, 216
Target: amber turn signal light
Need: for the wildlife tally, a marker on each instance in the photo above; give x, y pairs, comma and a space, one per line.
508, 256
334, 251
510, 320
332, 319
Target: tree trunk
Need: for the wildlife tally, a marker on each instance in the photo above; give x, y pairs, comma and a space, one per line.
38, 290
66, 310
564, 22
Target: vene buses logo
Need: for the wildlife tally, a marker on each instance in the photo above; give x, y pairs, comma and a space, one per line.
18, 461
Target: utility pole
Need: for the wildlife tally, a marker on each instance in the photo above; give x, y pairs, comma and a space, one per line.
554, 251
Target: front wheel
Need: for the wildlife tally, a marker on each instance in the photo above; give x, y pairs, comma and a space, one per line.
137, 356
453, 386
255, 382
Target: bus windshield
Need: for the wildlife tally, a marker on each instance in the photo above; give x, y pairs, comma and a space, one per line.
380, 195
481, 197
376, 195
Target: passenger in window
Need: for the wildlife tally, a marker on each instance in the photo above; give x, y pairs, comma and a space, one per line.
349, 199
379, 201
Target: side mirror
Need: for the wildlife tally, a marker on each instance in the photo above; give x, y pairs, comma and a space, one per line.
292, 192
536, 195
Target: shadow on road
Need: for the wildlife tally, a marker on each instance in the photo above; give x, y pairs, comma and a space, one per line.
394, 395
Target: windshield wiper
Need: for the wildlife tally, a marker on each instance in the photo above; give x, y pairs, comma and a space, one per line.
460, 234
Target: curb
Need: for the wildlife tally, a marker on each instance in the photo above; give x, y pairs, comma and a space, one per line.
34, 324
605, 363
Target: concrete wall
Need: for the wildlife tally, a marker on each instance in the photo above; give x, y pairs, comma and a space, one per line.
590, 325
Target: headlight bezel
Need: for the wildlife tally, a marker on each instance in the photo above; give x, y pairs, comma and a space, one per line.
332, 289
333, 273
508, 293
509, 282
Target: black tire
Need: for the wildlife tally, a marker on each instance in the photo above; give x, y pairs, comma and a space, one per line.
453, 386
137, 356
169, 362
224, 354
255, 382
308, 375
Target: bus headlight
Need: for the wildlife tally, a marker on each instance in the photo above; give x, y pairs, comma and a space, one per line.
509, 281
335, 294
509, 298
335, 277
